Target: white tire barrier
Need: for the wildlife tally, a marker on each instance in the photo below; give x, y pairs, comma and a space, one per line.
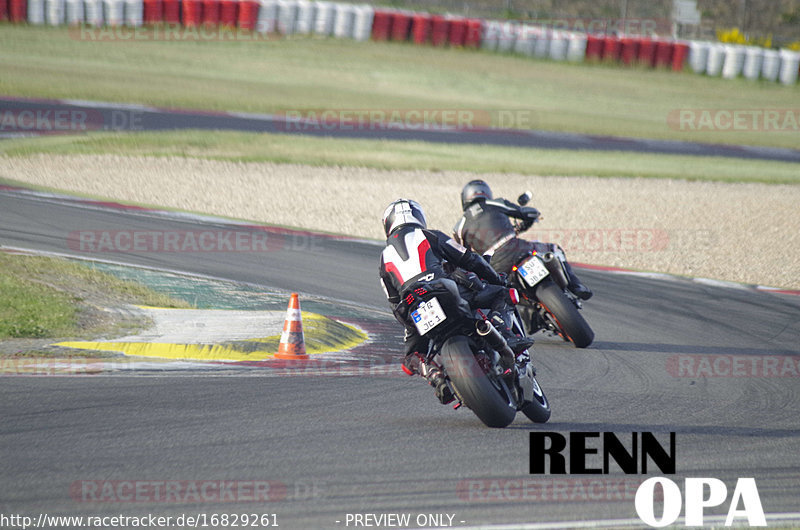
542, 47
771, 65
73, 12
559, 41
343, 23
790, 63
753, 58
54, 12
734, 61
36, 12
362, 22
526, 40
267, 21
304, 24
113, 12
323, 18
576, 48
698, 56
287, 16
507, 37
134, 12
93, 11
491, 35
716, 58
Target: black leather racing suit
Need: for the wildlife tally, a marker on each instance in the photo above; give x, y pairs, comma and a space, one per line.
486, 228
413, 255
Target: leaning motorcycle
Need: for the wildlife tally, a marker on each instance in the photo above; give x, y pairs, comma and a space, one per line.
481, 370
547, 304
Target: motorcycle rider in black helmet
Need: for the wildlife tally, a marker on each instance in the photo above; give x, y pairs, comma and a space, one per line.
415, 254
485, 227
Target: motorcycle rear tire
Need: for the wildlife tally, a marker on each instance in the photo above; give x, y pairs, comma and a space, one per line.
566, 314
472, 384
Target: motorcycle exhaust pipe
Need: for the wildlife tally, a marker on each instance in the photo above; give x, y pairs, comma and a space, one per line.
486, 330
556, 269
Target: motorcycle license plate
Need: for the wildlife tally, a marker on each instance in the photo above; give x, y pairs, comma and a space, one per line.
533, 271
428, 315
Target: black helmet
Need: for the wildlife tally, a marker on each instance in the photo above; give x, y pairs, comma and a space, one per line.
474, 190
403, 212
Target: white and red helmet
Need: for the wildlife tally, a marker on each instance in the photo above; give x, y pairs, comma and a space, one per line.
403, 212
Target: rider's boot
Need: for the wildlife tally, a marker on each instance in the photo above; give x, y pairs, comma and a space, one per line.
575, 285
516, 343
414, 364
437, 380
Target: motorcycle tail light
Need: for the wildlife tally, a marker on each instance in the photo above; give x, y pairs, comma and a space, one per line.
420, 291
409, 299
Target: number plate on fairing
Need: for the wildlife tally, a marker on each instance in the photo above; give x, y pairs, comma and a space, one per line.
533, 271
428, 315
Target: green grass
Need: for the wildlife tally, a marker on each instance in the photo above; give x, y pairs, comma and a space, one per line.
313, 73
254, 147
31, 310
41, 297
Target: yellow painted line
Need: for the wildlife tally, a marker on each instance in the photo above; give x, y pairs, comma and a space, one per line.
322, 335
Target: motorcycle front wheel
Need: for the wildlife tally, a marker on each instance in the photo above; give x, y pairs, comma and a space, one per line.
486, 398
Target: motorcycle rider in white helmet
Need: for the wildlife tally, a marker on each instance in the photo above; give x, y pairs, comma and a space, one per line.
415, 255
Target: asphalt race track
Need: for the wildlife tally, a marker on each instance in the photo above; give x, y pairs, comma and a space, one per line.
332, 446
91, 116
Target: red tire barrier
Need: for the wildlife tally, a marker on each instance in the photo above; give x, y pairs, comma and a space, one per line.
594, 47
172, 12
248, 14
17, 10
611, 48
3, 10
457, 35
421, 28
152, 12
629, 52
679, 55
439, 30
663, 56
401, 24
228, 11
474, 33
192, 13
210, 13
647, 52
381, 24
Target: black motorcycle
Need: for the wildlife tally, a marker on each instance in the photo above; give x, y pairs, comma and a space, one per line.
480, 369
547, 304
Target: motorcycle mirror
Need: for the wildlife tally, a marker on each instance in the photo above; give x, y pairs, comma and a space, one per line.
525, 198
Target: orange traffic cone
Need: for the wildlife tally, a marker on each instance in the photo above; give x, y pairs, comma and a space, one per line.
292, 345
